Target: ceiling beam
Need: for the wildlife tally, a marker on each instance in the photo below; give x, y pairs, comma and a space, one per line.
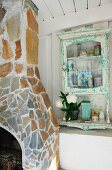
100, 13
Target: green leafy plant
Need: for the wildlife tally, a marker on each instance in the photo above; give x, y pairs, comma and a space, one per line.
68, 103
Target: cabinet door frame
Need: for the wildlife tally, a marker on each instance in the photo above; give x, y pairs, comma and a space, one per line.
104, 62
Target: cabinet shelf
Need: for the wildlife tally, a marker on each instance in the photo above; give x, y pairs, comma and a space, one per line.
86, 126
85, 57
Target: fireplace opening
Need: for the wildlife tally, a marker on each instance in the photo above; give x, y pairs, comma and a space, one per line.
10, 151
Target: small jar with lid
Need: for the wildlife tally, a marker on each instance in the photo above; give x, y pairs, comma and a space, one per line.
97, 49
94, 117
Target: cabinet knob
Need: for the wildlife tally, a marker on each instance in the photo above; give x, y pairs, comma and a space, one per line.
64, 68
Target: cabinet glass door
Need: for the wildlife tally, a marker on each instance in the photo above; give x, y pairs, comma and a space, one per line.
84, 65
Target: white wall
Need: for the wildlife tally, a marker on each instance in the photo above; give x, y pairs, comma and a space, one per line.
50, 60
84, 152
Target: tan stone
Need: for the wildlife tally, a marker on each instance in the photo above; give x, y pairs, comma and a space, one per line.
42, 107
32, 81
56, 140
46, 100
44, 135
51, 131
30, 71
57, 158
19, 68
38, 88
38, 98
37, 72
18, 50
53, 118
31, 47
7, 51
33, 125
42, 123
13, 27
24, 83
32, 23
5, 69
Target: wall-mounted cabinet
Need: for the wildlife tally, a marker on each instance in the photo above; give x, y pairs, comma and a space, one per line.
85, 65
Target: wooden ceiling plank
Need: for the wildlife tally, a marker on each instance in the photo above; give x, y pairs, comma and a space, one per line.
43, 10
68, 6
55, 8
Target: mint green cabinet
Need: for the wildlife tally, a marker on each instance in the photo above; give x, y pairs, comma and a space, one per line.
85, 63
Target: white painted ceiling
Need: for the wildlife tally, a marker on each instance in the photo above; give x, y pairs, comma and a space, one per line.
51, 9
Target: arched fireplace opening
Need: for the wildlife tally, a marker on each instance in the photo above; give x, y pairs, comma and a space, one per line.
10, 151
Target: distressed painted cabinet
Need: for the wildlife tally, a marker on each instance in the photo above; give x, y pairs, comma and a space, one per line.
85, 66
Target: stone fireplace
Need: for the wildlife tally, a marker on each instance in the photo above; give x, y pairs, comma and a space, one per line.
25, 109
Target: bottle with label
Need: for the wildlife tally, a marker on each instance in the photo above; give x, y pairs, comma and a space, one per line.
90, 80
70, 77
101, 116
79, 78
97, 49
75, 78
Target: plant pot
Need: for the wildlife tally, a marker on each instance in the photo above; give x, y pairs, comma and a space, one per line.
74, 115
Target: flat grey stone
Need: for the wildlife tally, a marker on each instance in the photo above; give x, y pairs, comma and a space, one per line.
20, 102
27, 152
5, 92
2, 13
24, 110
40, 143
15, 83
24, 95
19, 120
39, 113
31, 114
12, 122
13, 104
26, 141
34, 140
6, 114
30, 103
3, 108
36, 152
28, 130
5, 82
23, 136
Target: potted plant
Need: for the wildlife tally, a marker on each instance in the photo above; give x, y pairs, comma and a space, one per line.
68, 104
